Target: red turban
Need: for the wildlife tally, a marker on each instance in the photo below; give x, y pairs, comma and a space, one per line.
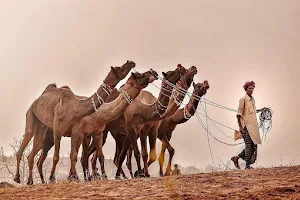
249, 83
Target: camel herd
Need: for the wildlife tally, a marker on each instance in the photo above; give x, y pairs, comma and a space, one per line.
128, 114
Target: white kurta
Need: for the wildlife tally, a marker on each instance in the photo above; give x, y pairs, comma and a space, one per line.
247, 111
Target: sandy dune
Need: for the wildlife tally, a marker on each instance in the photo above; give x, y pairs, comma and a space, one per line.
271, 183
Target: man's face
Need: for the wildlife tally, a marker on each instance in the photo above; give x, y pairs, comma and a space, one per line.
250, 90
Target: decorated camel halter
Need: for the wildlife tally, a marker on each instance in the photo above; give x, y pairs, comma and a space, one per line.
107, 89
158, 105
186, 113
182, 86
127, 96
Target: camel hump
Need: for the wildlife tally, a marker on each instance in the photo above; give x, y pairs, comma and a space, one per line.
65, 87
147, 97
50, 87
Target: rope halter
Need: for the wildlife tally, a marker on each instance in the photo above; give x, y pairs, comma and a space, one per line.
107, 89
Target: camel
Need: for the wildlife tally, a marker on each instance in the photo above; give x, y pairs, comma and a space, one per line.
95, 123
144, 116
168, 125
51, 112
115, 127
118, 126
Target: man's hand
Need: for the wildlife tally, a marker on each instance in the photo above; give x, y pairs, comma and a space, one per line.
260, 110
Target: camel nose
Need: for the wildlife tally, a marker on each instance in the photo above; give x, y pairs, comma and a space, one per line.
194, 70
206, 84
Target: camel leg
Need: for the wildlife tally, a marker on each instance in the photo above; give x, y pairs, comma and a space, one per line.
99, 141
90, 150
84, 158
137, 155
93, 163
57, 139
143, 139
119, 143
152, 142
92, 147
29, 131
48, 144
162, 157
84, 163
128, 162
171, 154
122, 156
76, 141
37, 146
105, 133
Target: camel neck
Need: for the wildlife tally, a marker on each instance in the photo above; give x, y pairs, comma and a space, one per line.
163, 99
184, 114
178, 95
94, 102
192, 106
115, 108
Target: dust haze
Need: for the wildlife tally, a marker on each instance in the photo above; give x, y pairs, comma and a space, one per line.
75, 42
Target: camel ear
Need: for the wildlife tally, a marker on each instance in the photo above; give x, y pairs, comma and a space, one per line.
194, 84
133, 74
112, 68
164, 74
127, 61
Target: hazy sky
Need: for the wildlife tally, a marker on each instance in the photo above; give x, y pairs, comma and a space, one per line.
230, 42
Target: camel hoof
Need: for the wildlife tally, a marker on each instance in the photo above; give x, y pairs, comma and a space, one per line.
52, 179
104, 176
125, 177
29, 182
167, 174
136, 173
73, 177
96, 176
17, 179
88, 179
43, 181
139, 174
118, 177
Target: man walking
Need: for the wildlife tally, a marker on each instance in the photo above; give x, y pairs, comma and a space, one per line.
248, 127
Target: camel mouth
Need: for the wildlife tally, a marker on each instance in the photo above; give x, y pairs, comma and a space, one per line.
182, 69
131, 64
154, 73
152, 79
206, 84
193, 70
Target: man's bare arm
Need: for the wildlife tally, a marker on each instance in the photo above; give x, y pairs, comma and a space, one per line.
240, 124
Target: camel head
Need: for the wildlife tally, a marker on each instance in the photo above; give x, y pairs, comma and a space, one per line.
120, 73
200, 89
187, 79
174, 76
141, 80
